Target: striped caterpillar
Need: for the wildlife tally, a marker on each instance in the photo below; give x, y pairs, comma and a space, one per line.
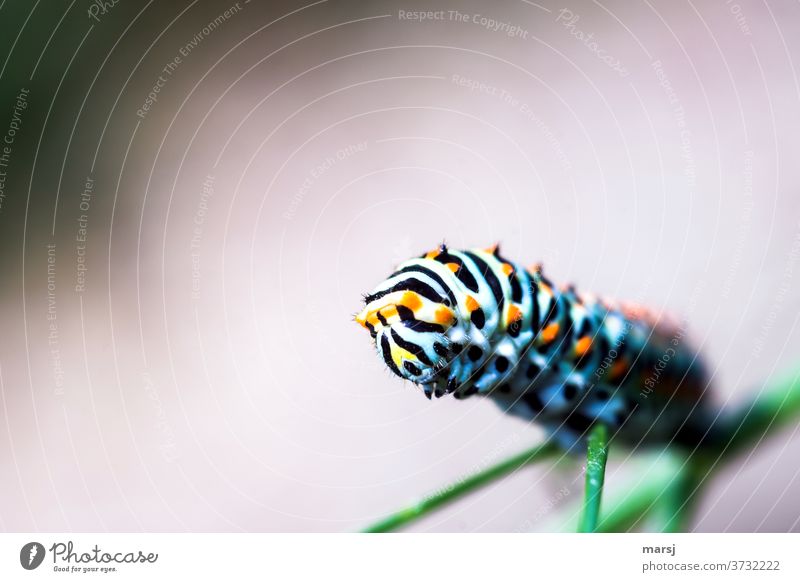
474, 323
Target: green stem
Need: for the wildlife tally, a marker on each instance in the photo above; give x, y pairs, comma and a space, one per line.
674, 505
772, 408
472, 483
624, 514
596, 456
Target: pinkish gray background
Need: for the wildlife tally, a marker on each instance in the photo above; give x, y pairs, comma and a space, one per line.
209, 376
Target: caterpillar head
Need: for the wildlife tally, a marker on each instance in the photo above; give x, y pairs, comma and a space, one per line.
410, 316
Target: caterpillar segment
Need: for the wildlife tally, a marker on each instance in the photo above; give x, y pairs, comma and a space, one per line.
472, 323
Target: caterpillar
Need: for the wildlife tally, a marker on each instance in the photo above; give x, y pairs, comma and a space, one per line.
471, 322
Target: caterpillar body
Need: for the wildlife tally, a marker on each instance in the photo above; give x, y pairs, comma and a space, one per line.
474, 323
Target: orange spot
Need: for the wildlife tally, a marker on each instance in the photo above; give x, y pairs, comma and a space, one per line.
388, 311
452, 266
492, 249
410, 300
443, 315
472, 303
514, 314
432, 254
583, 345
507, 269
550, 332
618, 369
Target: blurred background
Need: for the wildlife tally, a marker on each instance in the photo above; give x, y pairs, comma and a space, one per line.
194, 195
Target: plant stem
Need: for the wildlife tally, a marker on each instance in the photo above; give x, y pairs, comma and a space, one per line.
773, 407
472, 483
674, 504
596, 456
625, 508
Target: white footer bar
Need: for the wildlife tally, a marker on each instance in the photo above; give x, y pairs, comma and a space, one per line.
401, 557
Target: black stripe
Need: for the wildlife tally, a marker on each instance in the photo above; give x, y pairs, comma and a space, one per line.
387, 355
415, 371
553, 309
490, 277
499, 257
567, 327
433, 275
533, 400
462, 274
603, 366
411, 347
410, 284
452, 385
478, 317
516, 288
546, 281
407, 317
470, 391
579, 422
534, 290
423, 326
